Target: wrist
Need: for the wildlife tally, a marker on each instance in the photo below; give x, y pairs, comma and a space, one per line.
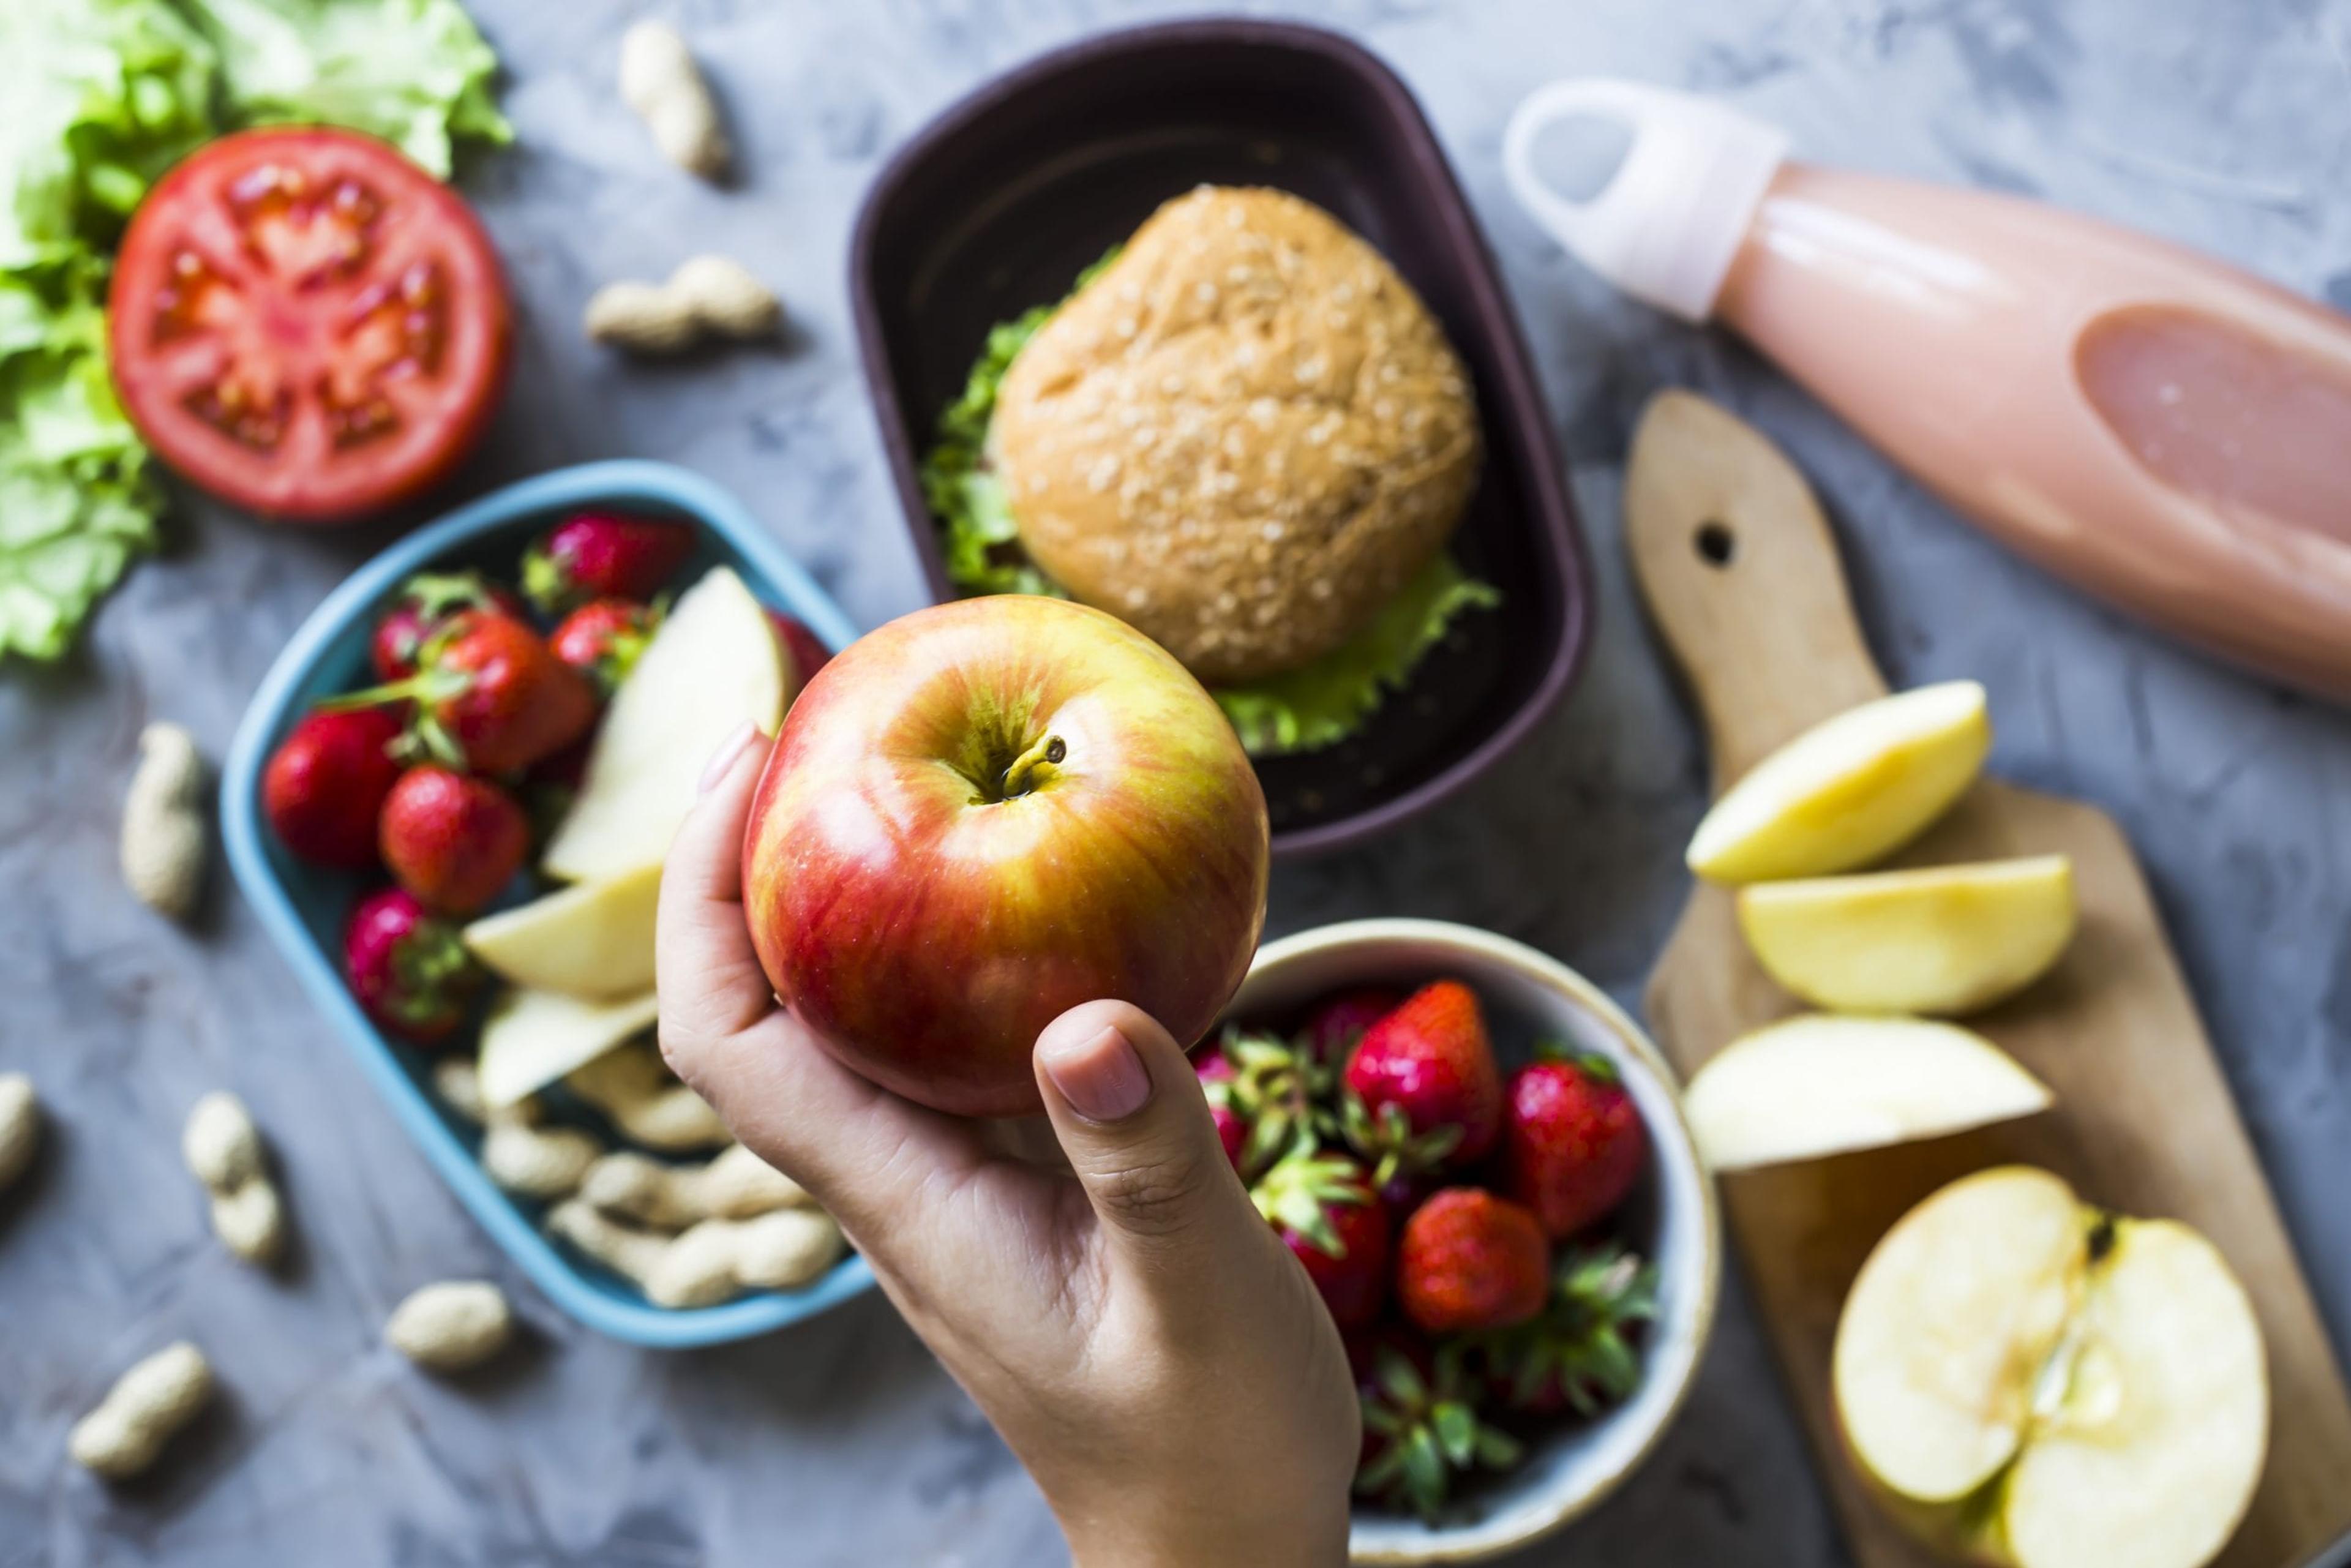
1206, 1536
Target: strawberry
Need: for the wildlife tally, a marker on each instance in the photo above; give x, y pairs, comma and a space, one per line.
489, 695
1215, 1071
801, 650
1577, 1355
408, 966
1469, 1260
326, 782
1420, 1424
452, 838
602, 555
1423, 1089
603, 640
1333, 1030
425, 603
1283, 1094
1326, 1214
1572, 1143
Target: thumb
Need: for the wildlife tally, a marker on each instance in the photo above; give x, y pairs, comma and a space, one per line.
1131, 1119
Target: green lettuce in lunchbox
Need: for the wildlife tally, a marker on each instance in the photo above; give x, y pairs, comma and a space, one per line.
1244, 433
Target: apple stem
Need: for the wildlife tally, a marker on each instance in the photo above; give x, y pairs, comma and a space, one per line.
1022, 776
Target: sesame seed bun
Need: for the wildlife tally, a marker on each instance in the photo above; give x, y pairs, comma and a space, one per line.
1244, 437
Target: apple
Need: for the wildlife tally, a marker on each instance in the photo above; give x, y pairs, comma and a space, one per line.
1947, 940
594, 939
714, 663
985, 813
530, 1039
2027, 1380
1818, 1085
1849, 789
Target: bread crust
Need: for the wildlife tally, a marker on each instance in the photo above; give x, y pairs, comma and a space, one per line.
1243, 438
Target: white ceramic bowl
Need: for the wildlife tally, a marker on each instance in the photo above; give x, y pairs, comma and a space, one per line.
1672, 1215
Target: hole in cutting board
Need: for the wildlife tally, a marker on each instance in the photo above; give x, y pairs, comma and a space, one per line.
1715, 544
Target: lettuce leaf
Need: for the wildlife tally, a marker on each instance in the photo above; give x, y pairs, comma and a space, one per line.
413, 72
99, 97
1323, 703
1304, 709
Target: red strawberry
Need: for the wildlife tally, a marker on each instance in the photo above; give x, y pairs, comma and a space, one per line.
1577, 1355
801, 649
408, 966
1574, 1144
1470, 1260
425, 602
1334, 1029
489, 695
1216, 1075
1282, 1093
1420, 1422
326, 782
602, 555
1327, 1215
451, 839
603, 639
1423, 1087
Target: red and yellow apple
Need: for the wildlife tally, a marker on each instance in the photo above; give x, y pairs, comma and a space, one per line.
984, 814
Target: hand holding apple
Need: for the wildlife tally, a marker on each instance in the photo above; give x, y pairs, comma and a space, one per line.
985, 813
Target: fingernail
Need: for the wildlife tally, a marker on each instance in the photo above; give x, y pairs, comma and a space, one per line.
723, 757
1103, 1077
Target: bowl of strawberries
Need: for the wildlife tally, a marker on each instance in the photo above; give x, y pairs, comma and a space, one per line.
449, 802
1482, 1164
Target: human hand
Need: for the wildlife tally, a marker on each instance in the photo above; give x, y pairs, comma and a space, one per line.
1136, 1331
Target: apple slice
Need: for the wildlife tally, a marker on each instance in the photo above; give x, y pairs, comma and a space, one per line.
714, 663
2031, 1382
1818, 1085
533, 1037
1847, 790
1947, 939
594, 940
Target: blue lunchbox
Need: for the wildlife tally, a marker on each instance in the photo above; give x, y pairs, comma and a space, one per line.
303, 906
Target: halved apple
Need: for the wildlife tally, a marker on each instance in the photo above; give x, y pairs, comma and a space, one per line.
1947, 940
1818, 1085
2030, 1380
714, 664
1849, 789
530, 1039
594, 939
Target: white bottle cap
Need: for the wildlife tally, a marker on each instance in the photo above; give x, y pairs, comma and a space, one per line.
1666, 224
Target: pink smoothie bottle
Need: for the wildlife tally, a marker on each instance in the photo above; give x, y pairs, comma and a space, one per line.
2148, 423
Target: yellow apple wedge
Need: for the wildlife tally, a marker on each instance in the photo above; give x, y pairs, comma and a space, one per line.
2028, 1381
714, 663
1849, 789
1946, 939
530, 1039
594, 939
1819, 1085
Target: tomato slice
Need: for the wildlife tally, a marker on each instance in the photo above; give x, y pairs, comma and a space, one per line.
307, 324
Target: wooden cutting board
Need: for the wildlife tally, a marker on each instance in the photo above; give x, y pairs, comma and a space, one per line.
1741, 576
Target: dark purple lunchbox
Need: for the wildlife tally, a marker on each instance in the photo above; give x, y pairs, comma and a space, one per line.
997, 204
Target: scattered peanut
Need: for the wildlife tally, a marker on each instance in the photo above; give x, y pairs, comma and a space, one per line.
139, 1415
706, 297
660, 82
522, 1156
164, 842
451, 1325
223, 1148
714, 1261
736, 1184
20, 1127
650, 1106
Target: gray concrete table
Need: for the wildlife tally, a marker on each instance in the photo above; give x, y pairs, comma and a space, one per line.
2226, 124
